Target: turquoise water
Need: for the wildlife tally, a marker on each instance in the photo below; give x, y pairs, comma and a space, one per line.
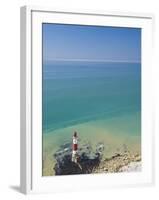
77, 92
100, 100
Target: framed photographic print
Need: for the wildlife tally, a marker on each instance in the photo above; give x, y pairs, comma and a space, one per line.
86, 100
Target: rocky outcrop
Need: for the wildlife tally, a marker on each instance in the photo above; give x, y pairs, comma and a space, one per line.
117, 163
91, 161
88, 159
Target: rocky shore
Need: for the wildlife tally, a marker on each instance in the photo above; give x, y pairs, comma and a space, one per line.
119, 163
132, 167
92, 161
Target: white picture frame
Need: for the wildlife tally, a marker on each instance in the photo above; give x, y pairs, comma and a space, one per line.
31, 129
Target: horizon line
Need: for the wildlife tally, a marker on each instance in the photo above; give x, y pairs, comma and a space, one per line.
95, 60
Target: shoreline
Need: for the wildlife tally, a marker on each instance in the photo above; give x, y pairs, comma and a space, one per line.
116, 139
92, 161
119, 162
126, 162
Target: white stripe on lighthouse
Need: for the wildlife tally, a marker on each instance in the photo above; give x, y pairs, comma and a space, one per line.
75, 140
74, 148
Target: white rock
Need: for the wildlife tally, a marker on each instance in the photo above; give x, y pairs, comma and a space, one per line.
131, 167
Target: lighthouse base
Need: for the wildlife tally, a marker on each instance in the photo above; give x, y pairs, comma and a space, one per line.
66, 161
74, 158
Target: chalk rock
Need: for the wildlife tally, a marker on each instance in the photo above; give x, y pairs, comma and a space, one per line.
88, 159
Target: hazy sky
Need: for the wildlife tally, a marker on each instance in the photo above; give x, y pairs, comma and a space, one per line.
91, 42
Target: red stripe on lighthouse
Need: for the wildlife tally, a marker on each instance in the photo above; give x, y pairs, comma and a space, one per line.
75, 147
75, 142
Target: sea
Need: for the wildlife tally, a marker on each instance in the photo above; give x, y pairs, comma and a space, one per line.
99, 100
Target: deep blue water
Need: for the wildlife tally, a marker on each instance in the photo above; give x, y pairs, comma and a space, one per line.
75, 92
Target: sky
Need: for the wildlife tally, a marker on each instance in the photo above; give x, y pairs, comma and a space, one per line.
80, 42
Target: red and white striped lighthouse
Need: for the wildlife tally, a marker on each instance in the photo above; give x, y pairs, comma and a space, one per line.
75, 147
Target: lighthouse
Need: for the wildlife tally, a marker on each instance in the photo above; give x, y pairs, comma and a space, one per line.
75, 147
